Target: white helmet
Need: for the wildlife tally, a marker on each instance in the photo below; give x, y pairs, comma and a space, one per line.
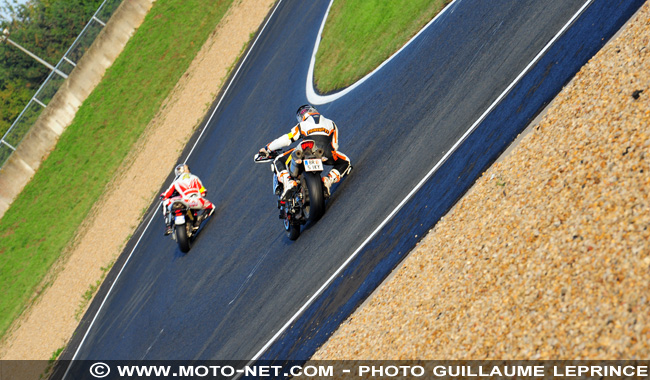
180, 169
305, 111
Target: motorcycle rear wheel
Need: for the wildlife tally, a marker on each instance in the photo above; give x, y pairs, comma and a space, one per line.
182, 237
313, 194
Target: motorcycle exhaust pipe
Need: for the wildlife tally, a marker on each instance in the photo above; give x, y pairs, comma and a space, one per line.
297, 156
294, 170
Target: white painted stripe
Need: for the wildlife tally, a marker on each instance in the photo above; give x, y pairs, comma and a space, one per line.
233, 79
154, 214
390, 216
315, 99
420, 184
107, 294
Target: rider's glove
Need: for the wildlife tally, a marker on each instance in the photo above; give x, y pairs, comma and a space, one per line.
162, 196
264, 152
203, 194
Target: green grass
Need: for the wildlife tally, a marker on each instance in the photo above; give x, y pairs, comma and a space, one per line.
43, 219
50, 363
360, 34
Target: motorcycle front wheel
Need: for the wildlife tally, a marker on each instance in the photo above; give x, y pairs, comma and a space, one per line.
292, 229
182, 237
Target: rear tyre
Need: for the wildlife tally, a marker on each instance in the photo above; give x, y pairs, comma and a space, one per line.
182, 237
292, 230
314, 198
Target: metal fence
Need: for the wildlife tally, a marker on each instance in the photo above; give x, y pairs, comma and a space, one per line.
53, 82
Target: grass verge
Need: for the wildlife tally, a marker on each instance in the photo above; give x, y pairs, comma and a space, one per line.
360, 35
42, 221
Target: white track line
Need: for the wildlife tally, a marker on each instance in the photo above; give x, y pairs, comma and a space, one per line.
154, 213
314, 98
390, 216
421, 183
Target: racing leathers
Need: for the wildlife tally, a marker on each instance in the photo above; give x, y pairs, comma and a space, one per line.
188, 188
325, 134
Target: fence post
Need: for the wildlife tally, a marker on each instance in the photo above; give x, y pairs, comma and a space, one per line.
19, 167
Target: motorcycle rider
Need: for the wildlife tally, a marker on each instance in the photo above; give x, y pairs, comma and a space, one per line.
189, 188
324, 132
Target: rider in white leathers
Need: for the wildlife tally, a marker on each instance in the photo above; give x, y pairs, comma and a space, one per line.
318, 128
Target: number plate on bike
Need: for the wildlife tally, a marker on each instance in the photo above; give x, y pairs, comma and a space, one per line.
180, 219
313, 165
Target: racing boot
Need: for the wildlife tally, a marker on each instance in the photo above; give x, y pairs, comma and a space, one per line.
327, 184
288, 182
168, 225
331, 178
288, 188
207, 212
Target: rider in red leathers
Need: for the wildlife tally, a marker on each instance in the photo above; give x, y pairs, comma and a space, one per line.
318, 128
188, 187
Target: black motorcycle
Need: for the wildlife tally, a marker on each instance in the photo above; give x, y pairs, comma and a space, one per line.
305, 202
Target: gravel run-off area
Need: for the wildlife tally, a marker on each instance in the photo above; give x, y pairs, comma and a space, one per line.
548, 255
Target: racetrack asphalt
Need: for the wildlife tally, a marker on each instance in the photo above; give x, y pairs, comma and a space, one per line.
243, 279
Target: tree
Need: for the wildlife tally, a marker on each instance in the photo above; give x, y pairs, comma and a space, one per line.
45, 27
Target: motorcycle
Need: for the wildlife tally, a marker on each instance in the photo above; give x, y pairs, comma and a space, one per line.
306, 202
185, 223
